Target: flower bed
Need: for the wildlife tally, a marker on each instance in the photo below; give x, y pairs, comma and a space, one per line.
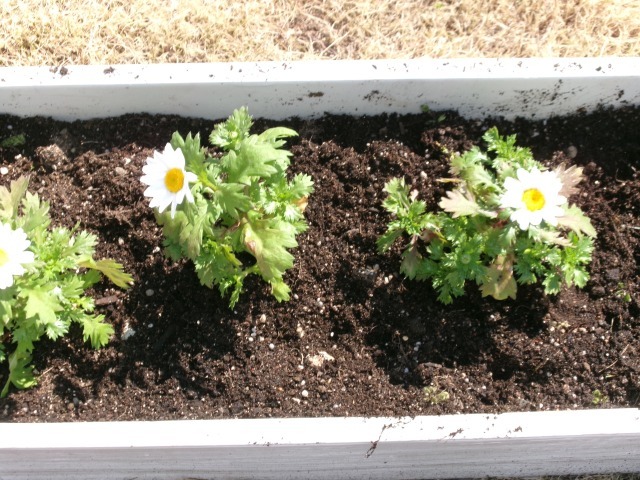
357, 339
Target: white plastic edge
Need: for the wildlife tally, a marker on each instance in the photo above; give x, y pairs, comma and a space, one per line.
534, 88
315, 431
452, 446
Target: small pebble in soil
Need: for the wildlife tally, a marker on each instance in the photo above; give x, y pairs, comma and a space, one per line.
4, 170
127, 332
304, 393
149, 292
571, 151
271, 346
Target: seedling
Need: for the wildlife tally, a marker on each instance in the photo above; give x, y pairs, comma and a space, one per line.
622, 293
434, 395
599, 398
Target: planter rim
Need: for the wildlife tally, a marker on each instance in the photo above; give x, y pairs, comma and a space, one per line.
451, 446
315, 431
477, 88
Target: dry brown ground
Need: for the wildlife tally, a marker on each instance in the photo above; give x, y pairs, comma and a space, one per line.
53, 32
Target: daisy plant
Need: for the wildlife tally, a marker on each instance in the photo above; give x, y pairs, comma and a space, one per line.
507, 221
234, 212
44, 272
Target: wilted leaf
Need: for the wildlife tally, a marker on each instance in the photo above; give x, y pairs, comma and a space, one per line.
268, 242
499, 282
577, 221
410, 261
570, 177
10, 197
460, 203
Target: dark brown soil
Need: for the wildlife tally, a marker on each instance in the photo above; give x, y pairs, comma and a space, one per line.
383, 338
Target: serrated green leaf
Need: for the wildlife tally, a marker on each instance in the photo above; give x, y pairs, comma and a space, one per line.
552, 283
268, 242
194, 155
232, 199
111, 269
301, 186
280, 290
274, 135
385, 241
95, 329
40, 304
235, 129
251, 160
35, 214
397, 200
81, 244
20, 372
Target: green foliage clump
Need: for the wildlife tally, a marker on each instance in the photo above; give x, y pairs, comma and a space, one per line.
482, 236
243, 204
50, 294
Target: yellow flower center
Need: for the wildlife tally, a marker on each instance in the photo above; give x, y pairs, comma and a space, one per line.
174, 180
4, 257
533, 199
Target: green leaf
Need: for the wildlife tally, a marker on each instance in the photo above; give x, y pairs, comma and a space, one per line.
10, 198
41, 304
20, 373
229, 134
194, 155
552, 283
301, 186
82, 244
470, 167
268, 242
388, 238
275, 135
111, 269
397, 201
95, 330
232, 199
280, 290
251, 160
14, 141
35, 214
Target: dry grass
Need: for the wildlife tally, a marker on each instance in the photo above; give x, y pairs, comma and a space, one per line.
52, 32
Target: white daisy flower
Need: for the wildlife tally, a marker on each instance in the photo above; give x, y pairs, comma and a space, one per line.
534, 196
13, 254
167, 179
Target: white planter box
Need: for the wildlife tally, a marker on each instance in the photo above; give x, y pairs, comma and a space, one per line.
458, 446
